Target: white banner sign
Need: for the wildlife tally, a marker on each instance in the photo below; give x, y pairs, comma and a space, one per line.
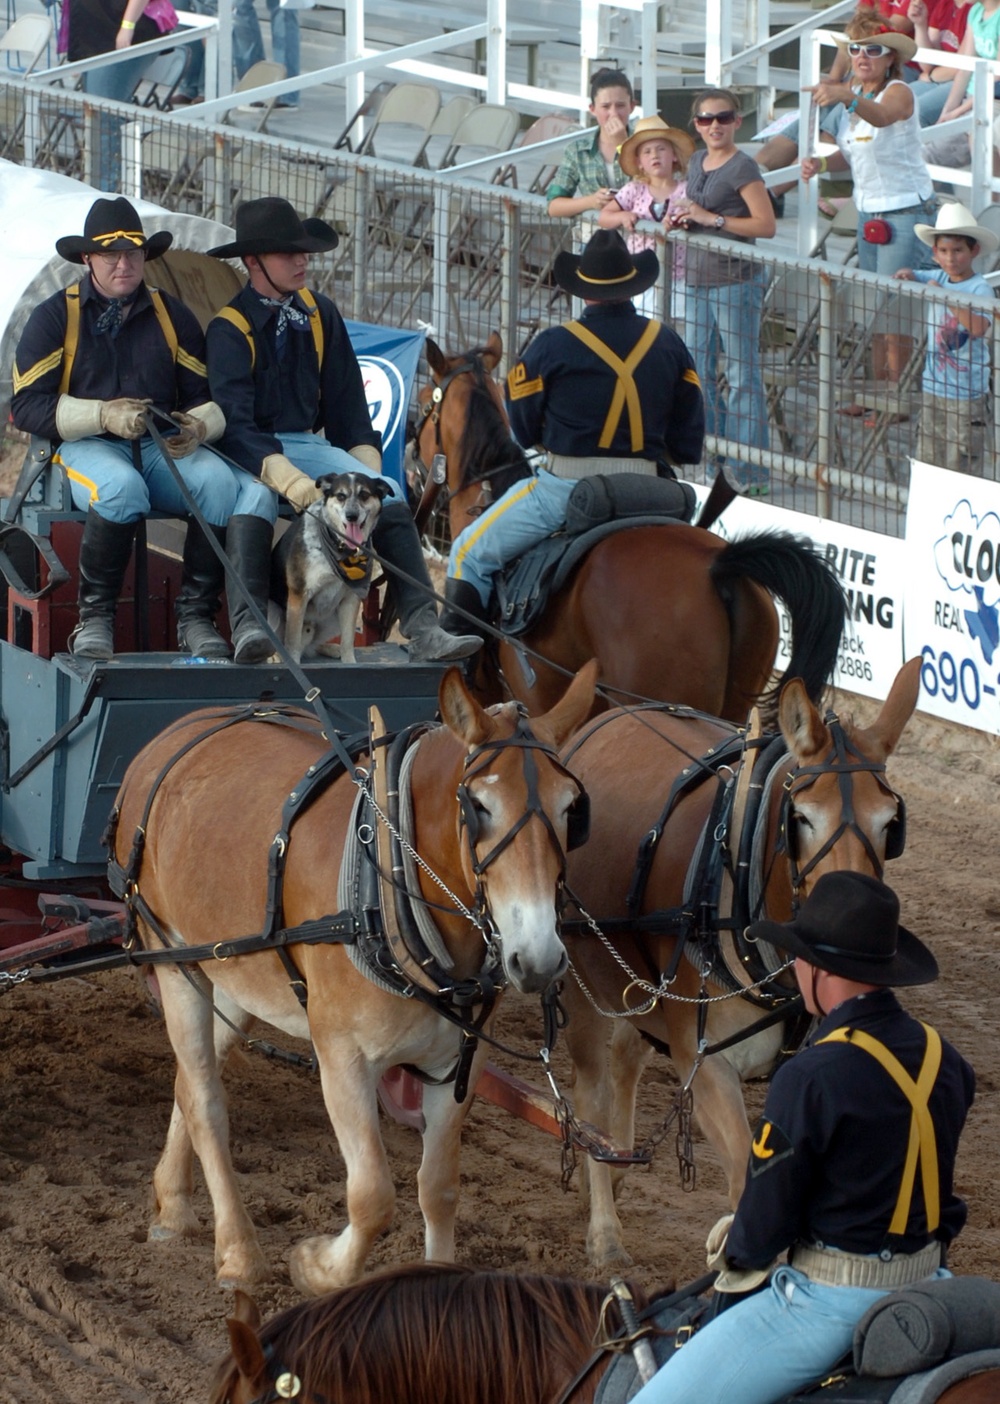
870, 568
953, 594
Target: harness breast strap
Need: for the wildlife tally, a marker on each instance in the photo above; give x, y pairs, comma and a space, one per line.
71, 337
922, 1142
241, 323
626, 390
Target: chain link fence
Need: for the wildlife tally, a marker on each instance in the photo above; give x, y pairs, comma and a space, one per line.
836, 356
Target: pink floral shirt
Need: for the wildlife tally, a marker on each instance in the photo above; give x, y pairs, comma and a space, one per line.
636, 195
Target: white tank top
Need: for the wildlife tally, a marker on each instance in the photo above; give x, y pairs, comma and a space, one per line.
886, 162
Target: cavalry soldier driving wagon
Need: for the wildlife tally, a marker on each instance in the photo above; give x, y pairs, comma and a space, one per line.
285, 374
611, 393
91, 363
852, 1164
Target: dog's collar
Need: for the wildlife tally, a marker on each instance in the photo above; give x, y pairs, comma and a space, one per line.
352, 563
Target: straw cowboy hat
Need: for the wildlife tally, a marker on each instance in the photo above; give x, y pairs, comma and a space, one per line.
955, 219
904, 46
606, 271
849, 926
646, 128
271, 226
112, 226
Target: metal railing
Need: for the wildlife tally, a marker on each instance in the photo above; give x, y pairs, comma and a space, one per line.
467, 257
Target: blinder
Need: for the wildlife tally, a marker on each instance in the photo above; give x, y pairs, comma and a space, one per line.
895, 834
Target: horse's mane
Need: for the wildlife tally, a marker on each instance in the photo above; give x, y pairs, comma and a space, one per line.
487, 446
434, 1334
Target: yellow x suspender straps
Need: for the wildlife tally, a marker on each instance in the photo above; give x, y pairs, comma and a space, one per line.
923, 1143
231, 314
626, 391
71, 339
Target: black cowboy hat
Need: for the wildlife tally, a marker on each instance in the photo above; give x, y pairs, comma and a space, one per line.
606, 271
849, 926
112, 226
271, 226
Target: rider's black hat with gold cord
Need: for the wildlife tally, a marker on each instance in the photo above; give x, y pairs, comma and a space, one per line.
606, 271
849, 926
112, 226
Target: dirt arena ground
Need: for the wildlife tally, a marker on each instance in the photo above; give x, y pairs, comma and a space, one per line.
91, 1310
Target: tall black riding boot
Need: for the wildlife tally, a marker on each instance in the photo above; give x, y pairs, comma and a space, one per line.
105, 550
395, 538
197, 604
461, 596
248, 545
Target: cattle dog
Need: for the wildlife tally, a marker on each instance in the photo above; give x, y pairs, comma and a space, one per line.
322, 564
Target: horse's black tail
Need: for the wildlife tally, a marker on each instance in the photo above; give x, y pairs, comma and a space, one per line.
791, 568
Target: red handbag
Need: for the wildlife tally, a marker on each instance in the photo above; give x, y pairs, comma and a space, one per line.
877, 231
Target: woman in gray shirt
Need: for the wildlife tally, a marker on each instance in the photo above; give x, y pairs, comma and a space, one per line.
726, 196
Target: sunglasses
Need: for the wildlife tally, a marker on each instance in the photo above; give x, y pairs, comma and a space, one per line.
869, 50
723, 118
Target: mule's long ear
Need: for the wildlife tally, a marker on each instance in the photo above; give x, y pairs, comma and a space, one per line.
243, 1341
493, 351
436, 358
803, 728
460, 711
897, 709
572, 709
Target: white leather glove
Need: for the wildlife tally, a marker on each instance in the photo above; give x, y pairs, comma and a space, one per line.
280, 473
78, 419
190, 435
715, 1243
368, 455
210, 416
125, 418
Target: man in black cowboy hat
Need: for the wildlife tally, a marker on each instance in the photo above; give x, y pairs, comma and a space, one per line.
852, 1164
282, 367
611, 393
92, 363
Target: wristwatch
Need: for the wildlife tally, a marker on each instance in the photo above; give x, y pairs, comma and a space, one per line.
720, 221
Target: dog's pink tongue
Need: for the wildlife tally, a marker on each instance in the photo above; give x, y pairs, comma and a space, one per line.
353, 534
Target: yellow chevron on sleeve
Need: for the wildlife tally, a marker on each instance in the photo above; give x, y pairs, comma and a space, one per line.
519, 387
191, 363
36, 371
691, 376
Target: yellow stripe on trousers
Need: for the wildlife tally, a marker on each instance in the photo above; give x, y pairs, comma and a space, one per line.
77, 477
488, 518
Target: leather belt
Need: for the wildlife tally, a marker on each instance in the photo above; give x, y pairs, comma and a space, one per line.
836, 1269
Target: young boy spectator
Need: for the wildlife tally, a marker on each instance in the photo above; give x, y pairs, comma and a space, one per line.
957, 367
589, 174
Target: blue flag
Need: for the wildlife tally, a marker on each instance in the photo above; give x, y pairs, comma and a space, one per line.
388, 360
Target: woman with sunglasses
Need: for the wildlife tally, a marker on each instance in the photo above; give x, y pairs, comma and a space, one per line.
726, 197
879, 142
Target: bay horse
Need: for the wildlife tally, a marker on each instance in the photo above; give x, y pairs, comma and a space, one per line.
824, 804
201, 805
431, 1334
671, 612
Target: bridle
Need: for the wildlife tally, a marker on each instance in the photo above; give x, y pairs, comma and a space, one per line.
481, 757
843, 760
430, 412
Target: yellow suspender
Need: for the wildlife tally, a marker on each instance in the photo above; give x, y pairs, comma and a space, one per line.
230, 314
626, 390
71, 339
922, 1142
315, 323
